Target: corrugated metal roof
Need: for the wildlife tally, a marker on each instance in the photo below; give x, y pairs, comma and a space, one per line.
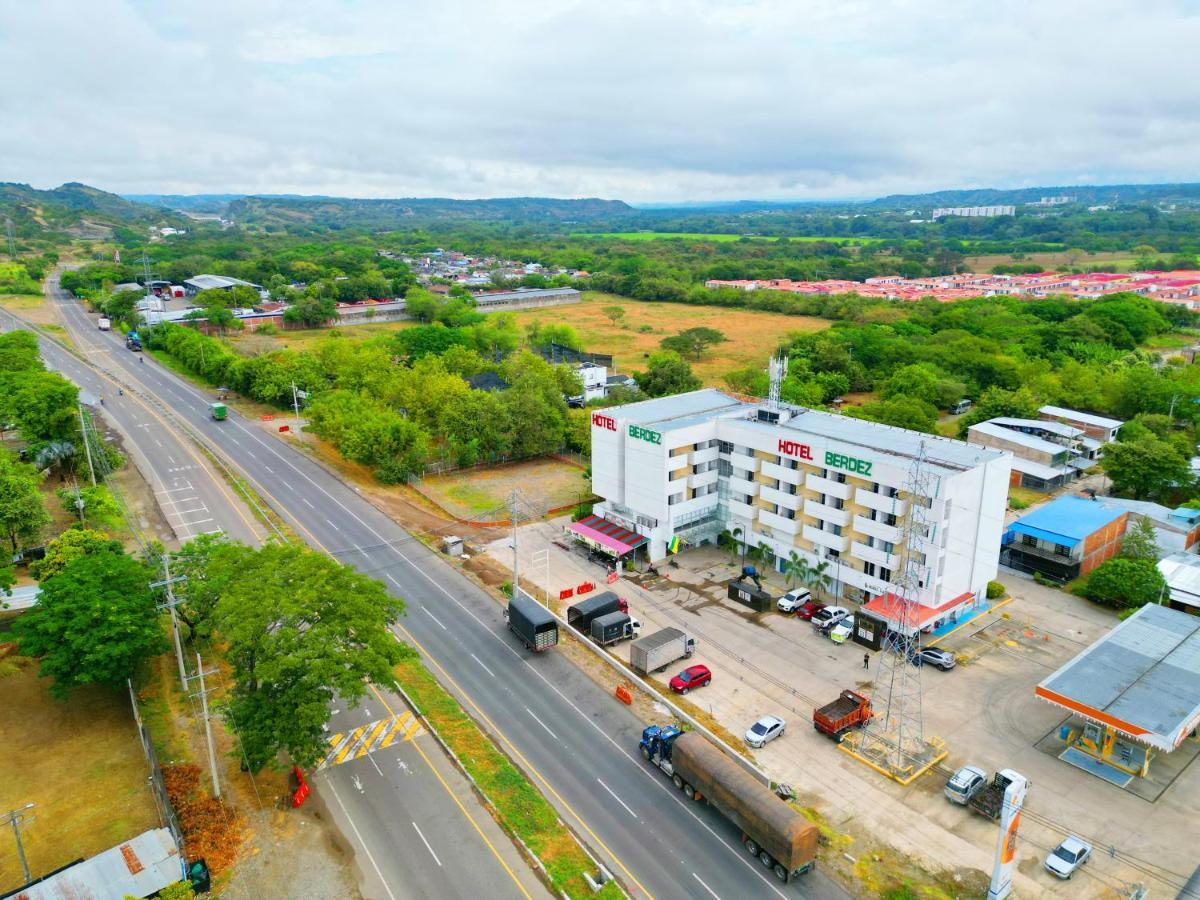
1142, 678
1077, 416
1032, 441
136, 868
1068, 520
1062, 428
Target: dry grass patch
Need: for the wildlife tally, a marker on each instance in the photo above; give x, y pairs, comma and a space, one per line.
473, 493
751, 335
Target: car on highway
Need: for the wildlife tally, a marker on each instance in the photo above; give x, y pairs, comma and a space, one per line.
933, 656
793, 600
692, 676
965, 784
764, 731
1068, 856
809, 609
829, 616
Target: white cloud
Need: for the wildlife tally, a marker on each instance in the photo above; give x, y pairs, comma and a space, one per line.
639, 100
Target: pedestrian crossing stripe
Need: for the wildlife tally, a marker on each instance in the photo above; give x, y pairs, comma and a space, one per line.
369, 738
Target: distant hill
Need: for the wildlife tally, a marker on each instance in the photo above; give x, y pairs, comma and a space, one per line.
388, 215
1095, 194
76, 210
202, 203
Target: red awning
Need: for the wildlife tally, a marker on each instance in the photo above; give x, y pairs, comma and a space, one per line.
887, 607
609, 535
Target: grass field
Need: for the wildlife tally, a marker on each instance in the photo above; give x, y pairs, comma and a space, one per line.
715, 238
79, 761
752, 336
253, 344
483, 493
1113, 262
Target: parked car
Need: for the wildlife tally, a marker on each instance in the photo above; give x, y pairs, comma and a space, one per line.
1068, 856
965, 784
840, 632
793, 600
932, 656
764, 731
829, 616
692, 676
809, 609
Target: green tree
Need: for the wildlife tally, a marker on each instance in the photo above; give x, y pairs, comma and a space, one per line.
1125, 583
311, 311
22, 513
997, 402
477, 426
42, 404
615, 314
693, 341
796, 569
667, 373
203, 581
299, 629
68, 547
1140, 541
900, 411
1146, 468
94, 622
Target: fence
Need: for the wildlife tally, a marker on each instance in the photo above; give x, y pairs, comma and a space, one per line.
158, 787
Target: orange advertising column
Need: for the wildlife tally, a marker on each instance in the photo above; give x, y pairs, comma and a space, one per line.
1006, 846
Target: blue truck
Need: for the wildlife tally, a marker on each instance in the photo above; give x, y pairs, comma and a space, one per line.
772, 831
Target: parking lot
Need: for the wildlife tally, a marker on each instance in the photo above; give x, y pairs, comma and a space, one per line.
985, 710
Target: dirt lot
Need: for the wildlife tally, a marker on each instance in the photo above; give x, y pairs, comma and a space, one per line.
985, 710
751, 335
78, 760
483, 493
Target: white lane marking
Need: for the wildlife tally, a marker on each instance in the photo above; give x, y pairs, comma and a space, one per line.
427, 847
435, 618
310, 506
197, 522
618, 799
371, 757
394, 581
358, 835
170, 459
158, 442
214, 531
175, 490
331, 525
235, 440
480, 661
705, 886
250, 453
177, 502
540, 722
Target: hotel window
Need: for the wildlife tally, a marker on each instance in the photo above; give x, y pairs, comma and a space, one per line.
885, 574
840, 477
869, 569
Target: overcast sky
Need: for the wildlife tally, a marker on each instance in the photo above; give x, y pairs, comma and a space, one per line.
631, 99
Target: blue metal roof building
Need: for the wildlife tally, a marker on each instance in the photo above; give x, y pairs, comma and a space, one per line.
1067, 520
1064, 539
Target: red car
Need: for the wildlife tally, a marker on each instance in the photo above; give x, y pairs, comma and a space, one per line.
692, 676
810, 609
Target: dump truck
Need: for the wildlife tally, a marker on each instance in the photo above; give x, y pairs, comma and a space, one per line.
656, 651
989, 801
782, 839
613, 627
850, 710
531, 622
581, 614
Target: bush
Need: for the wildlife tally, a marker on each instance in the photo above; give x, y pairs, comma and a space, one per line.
1125, 583
995, 590
1017, 503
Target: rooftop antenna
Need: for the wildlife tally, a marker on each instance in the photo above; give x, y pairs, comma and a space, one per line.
894, 740
777, 368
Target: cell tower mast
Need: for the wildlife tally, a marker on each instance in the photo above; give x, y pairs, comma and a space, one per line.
777, 369
894, 738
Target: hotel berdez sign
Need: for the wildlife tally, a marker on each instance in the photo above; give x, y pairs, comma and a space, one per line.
600, 420
645, 434
833, 460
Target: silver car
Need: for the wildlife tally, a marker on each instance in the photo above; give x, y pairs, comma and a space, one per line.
764, 731
965, 784
1068, 856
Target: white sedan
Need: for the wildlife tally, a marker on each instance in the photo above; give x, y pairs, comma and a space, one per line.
1068, 856
764, 730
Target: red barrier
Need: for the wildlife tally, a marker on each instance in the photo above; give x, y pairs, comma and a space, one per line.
569, 592
585, 587
624, 694
612, 576
267, 418
301, 793
283, 428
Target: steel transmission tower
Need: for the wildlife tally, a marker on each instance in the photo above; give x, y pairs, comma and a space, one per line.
894, 738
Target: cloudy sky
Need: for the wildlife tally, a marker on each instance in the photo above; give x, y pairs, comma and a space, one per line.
643, 100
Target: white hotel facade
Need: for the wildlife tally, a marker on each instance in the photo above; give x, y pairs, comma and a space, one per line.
825, 486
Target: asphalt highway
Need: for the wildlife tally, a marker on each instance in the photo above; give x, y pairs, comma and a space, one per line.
570, 737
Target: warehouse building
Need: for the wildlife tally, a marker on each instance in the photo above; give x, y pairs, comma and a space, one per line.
681, 470
1134, 692
193, 286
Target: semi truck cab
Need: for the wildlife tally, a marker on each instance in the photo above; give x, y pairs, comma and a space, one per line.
656, 745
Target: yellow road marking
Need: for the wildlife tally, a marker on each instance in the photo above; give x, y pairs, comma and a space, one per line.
350, 745
413, 729
458, 803
366, 745
401, 722
336, 739
517, 753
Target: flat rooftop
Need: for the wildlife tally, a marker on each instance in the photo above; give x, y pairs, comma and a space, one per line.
666, 414
1142, 678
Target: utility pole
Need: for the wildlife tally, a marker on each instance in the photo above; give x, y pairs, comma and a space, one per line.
87, 445
212, 753
12, 254
15, 818
78, 502
512, 512
172, 602
295, 400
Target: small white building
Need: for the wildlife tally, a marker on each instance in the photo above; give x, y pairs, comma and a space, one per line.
794, 480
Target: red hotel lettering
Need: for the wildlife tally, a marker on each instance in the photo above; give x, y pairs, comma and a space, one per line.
792, 448
602, 421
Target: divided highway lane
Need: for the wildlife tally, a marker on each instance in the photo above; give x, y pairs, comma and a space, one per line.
579, 745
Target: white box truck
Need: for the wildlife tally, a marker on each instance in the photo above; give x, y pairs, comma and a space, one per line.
656, 651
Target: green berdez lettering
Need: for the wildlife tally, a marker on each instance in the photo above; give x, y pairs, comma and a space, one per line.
645, 434
849, 463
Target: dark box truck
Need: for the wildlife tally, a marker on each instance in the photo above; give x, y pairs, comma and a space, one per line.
581, 614
531, 622
612, 627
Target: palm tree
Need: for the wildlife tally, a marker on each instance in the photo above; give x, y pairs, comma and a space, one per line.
54, 454
796, 569
737, 534
818, 580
